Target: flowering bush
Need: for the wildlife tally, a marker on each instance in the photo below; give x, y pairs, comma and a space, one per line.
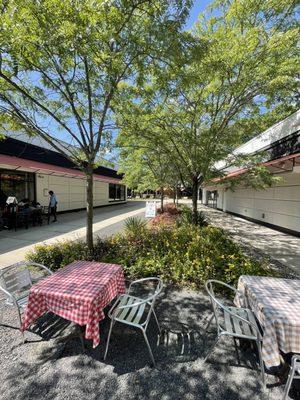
163, 220
170, 208
186, 255
166, 219
183, 255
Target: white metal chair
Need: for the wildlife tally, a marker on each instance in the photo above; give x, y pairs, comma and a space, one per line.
135, 311
233, 321
295, 367
16, 281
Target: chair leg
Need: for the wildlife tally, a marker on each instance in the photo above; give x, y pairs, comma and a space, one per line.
155, 316
81, 337
211, 349
208, 324
20, 321
237, 351
108, 338
262, 368
149, 348
288, 384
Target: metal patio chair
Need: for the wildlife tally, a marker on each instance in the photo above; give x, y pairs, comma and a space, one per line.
45, 214
135, 311
295, 367
16, 281
233, 321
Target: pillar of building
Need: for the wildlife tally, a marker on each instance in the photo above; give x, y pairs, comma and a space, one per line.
224, 200
204, 196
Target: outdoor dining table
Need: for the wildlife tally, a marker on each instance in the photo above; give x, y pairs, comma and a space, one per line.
275, 303
78, 292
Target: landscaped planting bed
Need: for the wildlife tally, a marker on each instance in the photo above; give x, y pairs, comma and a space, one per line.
179, 252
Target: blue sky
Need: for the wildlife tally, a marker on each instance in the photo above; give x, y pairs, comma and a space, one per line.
199, 6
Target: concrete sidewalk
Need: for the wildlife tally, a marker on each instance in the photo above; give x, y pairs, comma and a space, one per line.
70, 226
280, 247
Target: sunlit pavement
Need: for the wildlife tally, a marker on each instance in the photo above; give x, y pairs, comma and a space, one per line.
279, 246
70, 226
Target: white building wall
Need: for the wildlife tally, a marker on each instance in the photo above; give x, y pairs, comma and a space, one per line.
100, 193
279, 205
70, 192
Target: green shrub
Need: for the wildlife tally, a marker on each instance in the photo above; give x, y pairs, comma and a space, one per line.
187, 217
57, 255
134, 226
183, 255
186, 255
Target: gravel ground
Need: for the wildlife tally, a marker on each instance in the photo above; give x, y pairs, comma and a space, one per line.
48, 366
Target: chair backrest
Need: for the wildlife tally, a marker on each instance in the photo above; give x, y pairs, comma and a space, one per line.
158, 286
220, 309
149, 300
158, 289
217, 305
17, 279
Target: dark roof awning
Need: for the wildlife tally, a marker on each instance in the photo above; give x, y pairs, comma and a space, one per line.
17, 154
16, 163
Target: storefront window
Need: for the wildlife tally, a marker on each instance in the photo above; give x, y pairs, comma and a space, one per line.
116, 192
16, 184
112, 192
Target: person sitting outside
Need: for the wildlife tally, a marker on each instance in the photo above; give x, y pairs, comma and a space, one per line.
53, 205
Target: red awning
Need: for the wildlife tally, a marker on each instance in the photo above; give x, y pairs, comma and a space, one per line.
48, 169
282, 164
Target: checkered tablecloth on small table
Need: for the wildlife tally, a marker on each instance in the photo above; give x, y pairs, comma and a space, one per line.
78, 292
276, 305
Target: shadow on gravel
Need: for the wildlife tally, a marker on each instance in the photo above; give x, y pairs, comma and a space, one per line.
56, 368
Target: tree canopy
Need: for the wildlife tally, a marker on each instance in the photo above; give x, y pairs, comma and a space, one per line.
243, 71
62, 64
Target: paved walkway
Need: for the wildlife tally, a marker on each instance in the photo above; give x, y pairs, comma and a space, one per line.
107, 220
279, 246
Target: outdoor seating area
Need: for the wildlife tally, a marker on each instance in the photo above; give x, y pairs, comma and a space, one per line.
23, 214
178, 329
149, 200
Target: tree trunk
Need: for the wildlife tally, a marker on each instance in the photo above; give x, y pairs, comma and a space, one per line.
89, 208
195, 199
174, 194
162, 199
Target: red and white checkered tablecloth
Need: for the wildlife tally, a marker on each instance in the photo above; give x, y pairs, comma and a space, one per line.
276, 304
78, 292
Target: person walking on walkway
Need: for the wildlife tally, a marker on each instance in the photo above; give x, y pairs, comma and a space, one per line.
53, 205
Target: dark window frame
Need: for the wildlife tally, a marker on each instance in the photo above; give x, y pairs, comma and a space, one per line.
118, 193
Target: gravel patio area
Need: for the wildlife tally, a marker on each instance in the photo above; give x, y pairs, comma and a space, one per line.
49, 367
